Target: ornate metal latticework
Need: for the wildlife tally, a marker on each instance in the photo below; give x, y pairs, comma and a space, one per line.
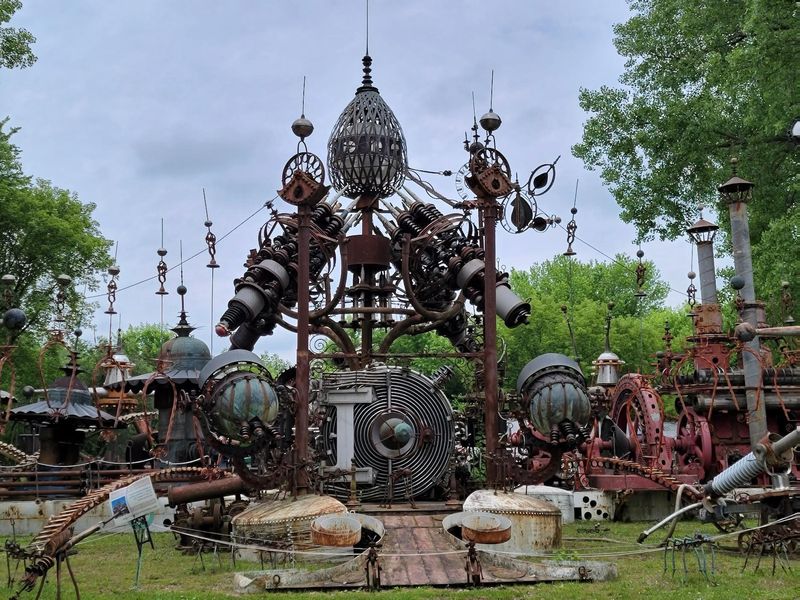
367, 149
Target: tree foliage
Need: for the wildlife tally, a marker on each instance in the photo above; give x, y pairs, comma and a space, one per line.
15, 42
45, 231
637, 326
702, 80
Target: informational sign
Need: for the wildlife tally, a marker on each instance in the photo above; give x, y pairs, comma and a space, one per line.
132, 501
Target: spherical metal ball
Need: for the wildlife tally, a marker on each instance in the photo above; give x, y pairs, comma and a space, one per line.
14, 319
640, 253
78, 332
302, 127
241, 399
737, 282
475, 147
556, 390
491, 121
28, 391
208, 224
692, 274
8, 280
744, 332
64, 280
181, 290
113, 270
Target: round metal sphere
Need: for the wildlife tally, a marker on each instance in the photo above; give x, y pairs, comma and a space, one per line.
78, 332
14, 319
491, 121
28, 391
554, 386
181, 290
692, 274
241, 398
367, 149
8, 280
640, 253
737, 282
744, 332
240, 391
302, 127
113, 270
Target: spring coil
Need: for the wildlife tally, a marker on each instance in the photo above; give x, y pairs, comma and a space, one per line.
555, 435
737, 475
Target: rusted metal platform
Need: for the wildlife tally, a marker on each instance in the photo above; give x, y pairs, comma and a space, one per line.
417, 551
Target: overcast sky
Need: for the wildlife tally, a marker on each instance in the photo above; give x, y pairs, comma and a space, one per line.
137, 106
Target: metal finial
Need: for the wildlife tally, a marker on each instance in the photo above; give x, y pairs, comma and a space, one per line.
609, 316
303, 101
366, 82
641, 271
491, 92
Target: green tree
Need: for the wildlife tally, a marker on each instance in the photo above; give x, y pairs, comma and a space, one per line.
15, 42
45, 231
585, 290
140, 343
702, 80
274, 363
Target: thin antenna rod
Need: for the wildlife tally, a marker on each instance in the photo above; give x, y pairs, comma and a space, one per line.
205, 203
367, 27
180, 251
474, 112
116, 249
575, 200
302, 109
162, 296
491, 93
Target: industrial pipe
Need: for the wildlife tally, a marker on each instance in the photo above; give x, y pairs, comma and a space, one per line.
765, 454
206, 490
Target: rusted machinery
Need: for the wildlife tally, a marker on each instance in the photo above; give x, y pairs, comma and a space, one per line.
728, 395
404, 268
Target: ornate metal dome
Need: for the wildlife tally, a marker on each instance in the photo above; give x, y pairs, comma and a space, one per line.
367, 150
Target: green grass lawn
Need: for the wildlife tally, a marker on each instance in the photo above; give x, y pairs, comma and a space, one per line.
105, 567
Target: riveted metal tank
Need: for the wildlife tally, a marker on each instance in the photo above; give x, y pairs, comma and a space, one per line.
535, 524
554, 386
285, 521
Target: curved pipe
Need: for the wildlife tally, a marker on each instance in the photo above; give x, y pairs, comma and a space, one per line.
397, 331
643, 536
412, 298
337, 296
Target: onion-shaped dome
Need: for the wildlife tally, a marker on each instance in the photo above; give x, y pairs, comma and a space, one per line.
181, 359
367, 149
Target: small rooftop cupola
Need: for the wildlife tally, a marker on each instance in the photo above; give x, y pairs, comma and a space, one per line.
367, 150
608, 363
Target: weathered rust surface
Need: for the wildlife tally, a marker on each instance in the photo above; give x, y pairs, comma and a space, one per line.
417, 551
485, 528
335, 530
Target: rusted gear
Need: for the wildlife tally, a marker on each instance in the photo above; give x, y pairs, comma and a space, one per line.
636, 408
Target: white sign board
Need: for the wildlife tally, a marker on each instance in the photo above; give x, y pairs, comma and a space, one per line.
134, 500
